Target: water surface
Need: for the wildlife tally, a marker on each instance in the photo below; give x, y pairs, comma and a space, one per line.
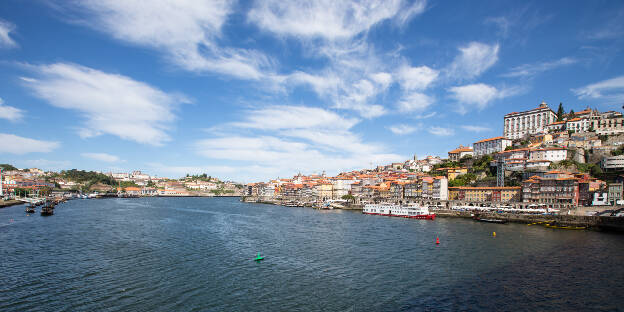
194, 254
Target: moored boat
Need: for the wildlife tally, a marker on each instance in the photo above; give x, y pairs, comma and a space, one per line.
478, 218
412, 211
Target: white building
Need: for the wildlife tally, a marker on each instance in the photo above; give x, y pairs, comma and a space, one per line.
490, 146
549, 154
578, 125
612, 163
521, 124
458, 153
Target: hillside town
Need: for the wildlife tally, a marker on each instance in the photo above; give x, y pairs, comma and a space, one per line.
32, 182
564, 162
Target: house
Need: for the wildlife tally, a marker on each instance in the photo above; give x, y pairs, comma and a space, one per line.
490, 146
459, 153
485, 194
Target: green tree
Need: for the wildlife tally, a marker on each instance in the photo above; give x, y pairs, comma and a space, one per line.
560, 112
571, 114
7, 167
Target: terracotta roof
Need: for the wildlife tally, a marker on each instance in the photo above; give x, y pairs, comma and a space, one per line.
492, 139
461, 149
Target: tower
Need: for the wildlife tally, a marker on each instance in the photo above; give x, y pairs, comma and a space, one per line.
500, 172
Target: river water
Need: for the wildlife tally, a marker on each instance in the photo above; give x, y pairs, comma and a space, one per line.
195, 254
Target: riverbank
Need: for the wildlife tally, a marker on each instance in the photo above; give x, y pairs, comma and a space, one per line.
598, 223
7, 203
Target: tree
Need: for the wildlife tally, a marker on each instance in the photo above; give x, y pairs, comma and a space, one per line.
348, 197
571, 115
7, 167
560, 112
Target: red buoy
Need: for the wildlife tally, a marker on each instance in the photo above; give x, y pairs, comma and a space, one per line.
437, 241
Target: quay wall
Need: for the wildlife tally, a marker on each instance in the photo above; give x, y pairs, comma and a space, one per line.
7, 203
600, 223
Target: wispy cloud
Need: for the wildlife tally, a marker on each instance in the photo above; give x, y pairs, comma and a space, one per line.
416, 78
5, 39
610, 90
293, 139
14, 144
10, 113
473, 59
415, 102
479, 96
477, 129
530, 70
110, 103
102, 157
186, 32
326, 19
441, 131
402, 129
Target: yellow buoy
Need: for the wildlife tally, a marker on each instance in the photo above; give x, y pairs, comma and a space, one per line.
494, 234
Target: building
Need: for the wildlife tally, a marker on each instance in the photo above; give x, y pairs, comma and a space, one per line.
522, 124
578, 125
458, 153
485, 194
555, 190
615, 193
612, 163
440, 188
490, 146
607, 123
549, 154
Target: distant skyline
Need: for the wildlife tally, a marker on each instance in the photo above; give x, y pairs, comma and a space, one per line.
252, 90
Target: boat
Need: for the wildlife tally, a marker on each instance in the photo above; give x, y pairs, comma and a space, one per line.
412, 211
47, 209
30, 208
478, 218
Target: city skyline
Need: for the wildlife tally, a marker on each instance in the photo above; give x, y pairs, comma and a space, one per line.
249, 91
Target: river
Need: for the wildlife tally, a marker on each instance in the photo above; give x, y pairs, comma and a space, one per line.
195, 254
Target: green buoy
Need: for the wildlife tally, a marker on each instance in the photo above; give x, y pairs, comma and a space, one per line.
259, 258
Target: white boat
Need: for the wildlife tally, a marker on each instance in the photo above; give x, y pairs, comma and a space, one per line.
414, 211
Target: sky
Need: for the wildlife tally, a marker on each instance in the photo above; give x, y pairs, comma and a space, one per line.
253, 90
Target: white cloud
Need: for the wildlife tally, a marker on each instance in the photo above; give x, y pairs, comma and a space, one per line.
416, 78
402, 129
102, 157
474, 59
287, 139
186, 31
415, 102
5, 29
441, 131
10, 113
529, 70
281, 117
14, 144
110, 103
326, 19
336, 30
479, 95
477, 129
610, 90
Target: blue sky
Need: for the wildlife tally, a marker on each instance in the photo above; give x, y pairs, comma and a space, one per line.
252, 90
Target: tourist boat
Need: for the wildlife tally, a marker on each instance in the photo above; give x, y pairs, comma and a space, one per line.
414, 211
